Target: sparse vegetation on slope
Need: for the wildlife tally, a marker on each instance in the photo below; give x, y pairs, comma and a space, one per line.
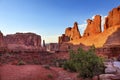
86, 63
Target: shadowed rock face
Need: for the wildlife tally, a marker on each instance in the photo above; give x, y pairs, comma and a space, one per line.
113, 39
93, 26
113, 18
73, 33
23, 39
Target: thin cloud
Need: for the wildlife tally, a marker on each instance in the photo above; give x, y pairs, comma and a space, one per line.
103, 22
50, 39
82, 28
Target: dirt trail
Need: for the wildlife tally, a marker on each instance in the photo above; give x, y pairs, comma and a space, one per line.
34, 72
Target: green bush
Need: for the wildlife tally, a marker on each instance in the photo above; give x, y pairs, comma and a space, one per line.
86, 63
21, 62
50, 76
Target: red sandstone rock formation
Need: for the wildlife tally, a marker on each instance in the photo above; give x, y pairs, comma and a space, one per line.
63, 38
1, 39
70, 34
113, 18
73, 33
23, 40
93, 26
113, 39
68, 31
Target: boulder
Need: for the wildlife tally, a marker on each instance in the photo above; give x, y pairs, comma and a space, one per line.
116, 64
108, 64
93, 26
106, 76
113, 18
117, 77
110, 70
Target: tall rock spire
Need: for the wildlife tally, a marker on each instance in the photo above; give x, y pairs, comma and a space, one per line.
93, 26
73, 33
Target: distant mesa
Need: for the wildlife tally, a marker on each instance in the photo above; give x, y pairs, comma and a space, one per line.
20, 41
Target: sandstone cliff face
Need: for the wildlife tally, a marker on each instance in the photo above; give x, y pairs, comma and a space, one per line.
73, 33
113, 39
113, 18
24, 40
93, 26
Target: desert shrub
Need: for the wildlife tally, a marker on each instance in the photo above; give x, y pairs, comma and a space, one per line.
21, 62
46, 66
59, 62
86, 63
50, 76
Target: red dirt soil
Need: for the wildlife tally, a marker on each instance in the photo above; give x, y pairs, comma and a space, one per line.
34, 72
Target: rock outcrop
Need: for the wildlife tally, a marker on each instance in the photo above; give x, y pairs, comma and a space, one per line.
93, 26
70, 34
113, 39
1, 39
68, 31
93, 33
73, 33
63, 38
22, 40
113, 18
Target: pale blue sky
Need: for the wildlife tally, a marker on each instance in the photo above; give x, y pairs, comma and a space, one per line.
49, 18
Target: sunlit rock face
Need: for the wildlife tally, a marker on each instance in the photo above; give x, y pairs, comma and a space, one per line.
113, 18
93, 34
70, 34
73, 33
23, 40
93, 26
